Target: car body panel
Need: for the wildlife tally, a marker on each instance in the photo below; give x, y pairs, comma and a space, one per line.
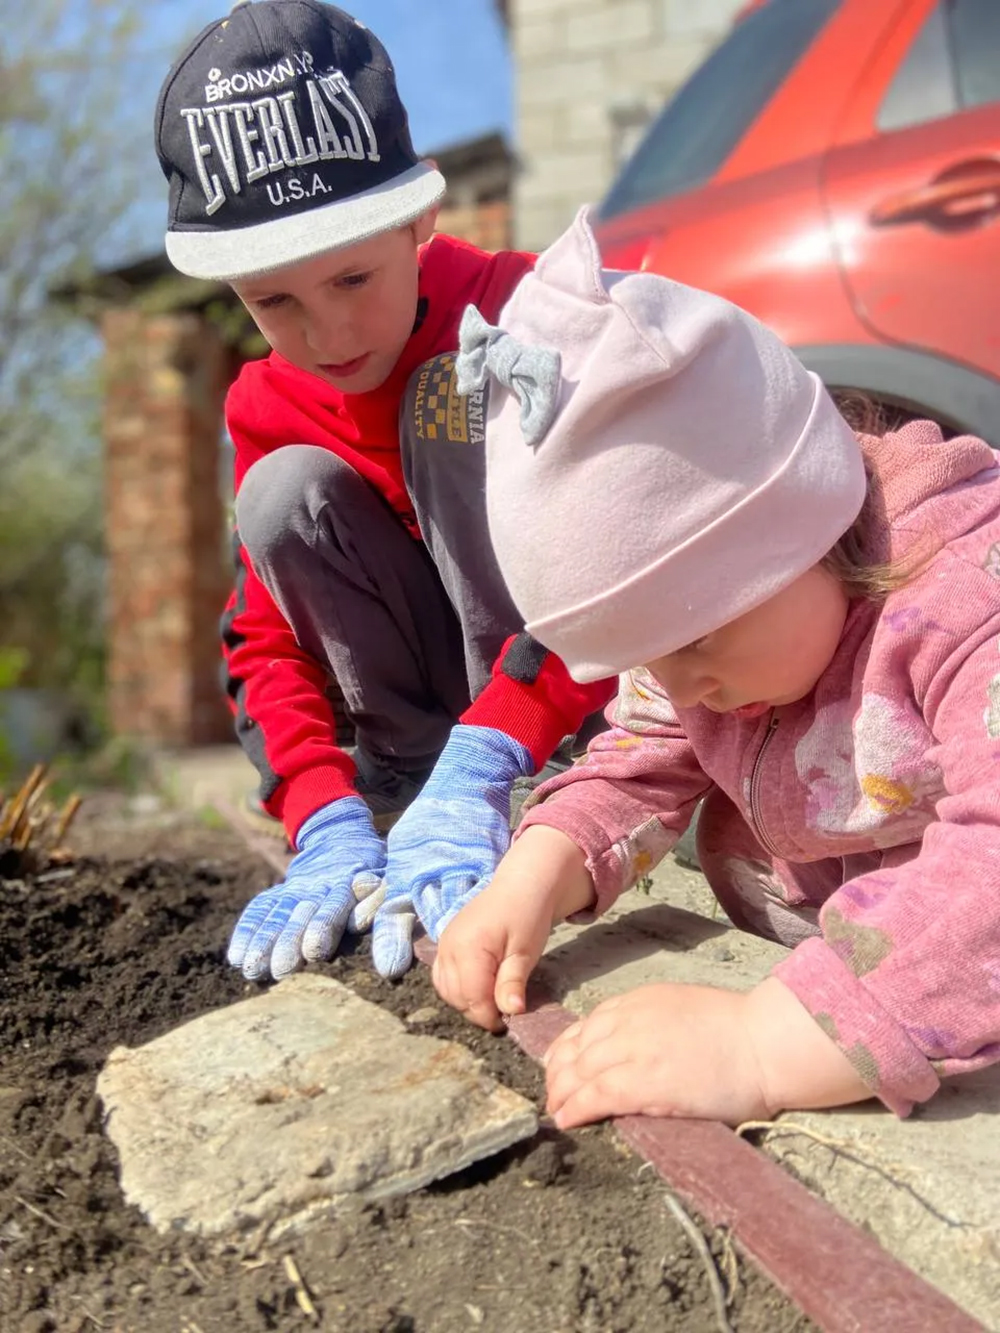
768, 271
799, 123
805, 225
919, 275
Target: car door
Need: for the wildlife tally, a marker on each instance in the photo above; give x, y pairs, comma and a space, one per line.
912, 186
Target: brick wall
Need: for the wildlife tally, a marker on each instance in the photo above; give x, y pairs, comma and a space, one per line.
486, 225
477, 205
588, 75
168, 574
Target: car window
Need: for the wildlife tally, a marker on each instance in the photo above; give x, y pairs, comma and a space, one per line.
924, 87
953, 65
975, 38
699, 128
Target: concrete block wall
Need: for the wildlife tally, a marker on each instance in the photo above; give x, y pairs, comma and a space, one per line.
588, 75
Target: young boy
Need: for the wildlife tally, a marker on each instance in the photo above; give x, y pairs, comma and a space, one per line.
293, 178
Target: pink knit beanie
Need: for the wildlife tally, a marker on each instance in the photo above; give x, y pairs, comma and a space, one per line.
658, 462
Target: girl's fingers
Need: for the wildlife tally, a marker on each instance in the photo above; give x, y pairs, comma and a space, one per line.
440, 976
467, 985
512, 983
564, 1046
475, 988
484, 1014
576, 1101
597, 1027
575, 1064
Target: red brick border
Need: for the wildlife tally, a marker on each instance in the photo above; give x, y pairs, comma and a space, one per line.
833, 1271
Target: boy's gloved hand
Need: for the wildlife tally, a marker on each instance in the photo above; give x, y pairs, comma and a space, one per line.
340, 861
445, 848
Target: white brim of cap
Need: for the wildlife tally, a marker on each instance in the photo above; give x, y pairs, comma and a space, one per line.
246, 252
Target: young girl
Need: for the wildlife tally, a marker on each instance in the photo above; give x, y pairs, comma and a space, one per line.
808, 627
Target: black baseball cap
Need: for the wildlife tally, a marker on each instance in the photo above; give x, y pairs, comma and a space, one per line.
281, 133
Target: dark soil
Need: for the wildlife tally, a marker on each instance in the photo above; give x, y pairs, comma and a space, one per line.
567, 1233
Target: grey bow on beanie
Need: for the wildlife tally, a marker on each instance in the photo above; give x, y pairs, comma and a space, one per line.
532, 373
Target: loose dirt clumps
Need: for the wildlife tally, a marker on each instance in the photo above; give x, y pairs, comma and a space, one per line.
563, 1233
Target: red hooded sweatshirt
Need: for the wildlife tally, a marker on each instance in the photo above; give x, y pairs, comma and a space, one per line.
277, 691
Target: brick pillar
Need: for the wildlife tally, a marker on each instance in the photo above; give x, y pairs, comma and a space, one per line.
168, 577
486, 225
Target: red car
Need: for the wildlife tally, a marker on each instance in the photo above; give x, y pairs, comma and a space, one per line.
834, 168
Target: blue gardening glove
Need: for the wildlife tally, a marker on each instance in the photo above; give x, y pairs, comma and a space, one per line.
340, 861
448, 843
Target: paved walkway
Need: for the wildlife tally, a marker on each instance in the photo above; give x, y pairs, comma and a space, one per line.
928, 1187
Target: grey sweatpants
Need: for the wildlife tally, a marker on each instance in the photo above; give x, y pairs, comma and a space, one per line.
410, 630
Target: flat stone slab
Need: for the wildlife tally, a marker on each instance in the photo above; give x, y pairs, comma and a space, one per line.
278, 1109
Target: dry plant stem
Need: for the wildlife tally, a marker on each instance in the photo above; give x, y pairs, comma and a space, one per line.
34, 800
193, 1269
729, 1265
91, 1316
840, 1149
302, 1297
66, 817
494, 1226
705, 1254
29, 818
39, 1212
250, 1251
16, 1148
12, 816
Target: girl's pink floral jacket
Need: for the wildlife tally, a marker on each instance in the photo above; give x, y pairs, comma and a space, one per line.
896, 752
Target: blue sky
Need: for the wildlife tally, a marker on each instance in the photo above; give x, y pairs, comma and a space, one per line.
451, 58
